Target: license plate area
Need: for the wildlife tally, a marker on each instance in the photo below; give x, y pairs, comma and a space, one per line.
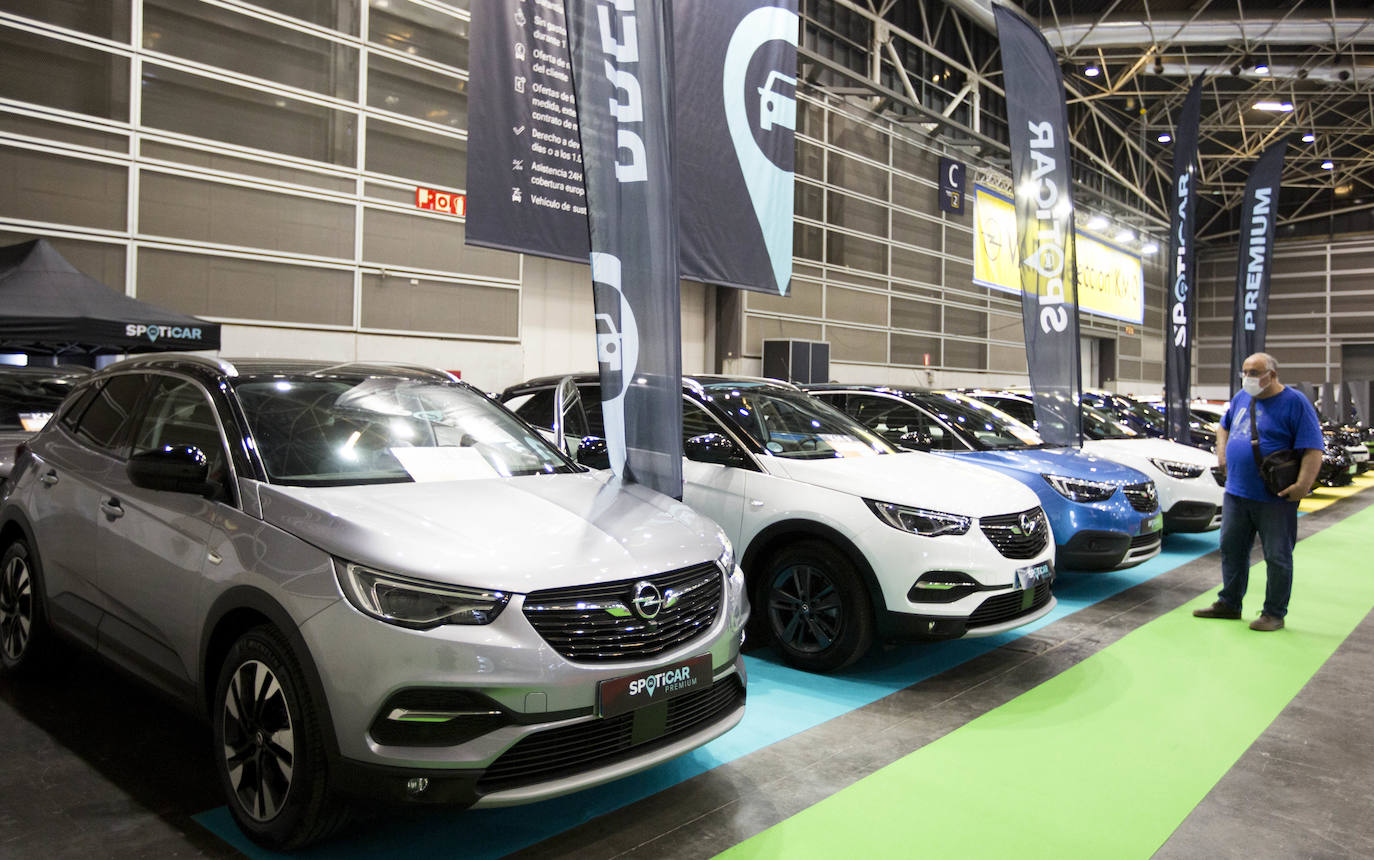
1152, 524
631, 692
1029, 577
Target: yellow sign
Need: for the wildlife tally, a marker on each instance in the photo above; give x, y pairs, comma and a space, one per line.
1110, 280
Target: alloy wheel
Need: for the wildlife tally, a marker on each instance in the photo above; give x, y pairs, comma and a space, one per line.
805, 608
16, 608
259, 744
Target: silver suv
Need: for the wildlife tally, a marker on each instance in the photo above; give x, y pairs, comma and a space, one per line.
374, 581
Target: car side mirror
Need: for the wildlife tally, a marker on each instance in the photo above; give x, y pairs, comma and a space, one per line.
713, 448
172, 469
916, 440
593, 453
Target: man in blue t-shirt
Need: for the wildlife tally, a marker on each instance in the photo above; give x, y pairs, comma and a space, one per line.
1286, 420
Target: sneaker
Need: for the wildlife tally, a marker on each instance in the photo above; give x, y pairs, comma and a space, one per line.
1266, 623
1217, 610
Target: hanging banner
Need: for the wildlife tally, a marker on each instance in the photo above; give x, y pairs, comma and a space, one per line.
1258, 216
1110, 279
1038, 126
1180, 300
734, 151
621, 71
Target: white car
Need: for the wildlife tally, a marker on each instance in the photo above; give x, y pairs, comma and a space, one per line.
1189, 495
843, 538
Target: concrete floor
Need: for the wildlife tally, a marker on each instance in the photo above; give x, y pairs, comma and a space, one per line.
93, 765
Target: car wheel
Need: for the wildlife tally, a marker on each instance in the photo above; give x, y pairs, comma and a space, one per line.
817, 607
269, 747
24, 634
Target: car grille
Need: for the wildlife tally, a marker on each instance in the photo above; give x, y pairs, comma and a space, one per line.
1142, 496
1009, 534
595, 623
1008, 606
568, 751
1146, 541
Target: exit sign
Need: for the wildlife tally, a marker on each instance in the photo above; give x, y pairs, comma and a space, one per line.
441, 201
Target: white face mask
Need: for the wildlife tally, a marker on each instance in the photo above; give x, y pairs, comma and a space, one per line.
1251, 386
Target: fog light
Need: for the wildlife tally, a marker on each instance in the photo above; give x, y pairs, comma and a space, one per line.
416, 785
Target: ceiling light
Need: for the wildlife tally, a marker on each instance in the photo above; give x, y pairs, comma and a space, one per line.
1092, 71
1124, 235
1149, 248
1342, 190
1279, 107
1309, 137
1165, 137
1097, 222
1328, 165
1262, 69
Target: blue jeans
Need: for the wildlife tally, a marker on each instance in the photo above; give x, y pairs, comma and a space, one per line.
1276, 523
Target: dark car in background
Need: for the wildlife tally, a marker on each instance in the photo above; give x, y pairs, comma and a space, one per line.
28, 398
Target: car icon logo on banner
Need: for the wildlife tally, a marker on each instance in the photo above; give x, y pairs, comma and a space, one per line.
774, 107
607, 342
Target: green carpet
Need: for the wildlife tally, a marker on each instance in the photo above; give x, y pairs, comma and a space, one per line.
1107, 758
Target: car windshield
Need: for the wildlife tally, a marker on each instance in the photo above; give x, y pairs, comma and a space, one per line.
1100, 424
1152, 417
343, 430
791, 424
28, 399
987, 426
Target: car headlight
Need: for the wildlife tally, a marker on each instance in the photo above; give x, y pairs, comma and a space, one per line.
727, 555
1080, 489
417, 603
1177, 469
919, 520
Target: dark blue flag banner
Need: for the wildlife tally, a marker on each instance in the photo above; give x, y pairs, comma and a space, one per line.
734, 150
1038, 124
1181, 280
1258, 215
622, 75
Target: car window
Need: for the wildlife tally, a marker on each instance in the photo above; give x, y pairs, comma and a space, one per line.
988, 426
179, 413
792, 424
697, 421
536, 408
104, 421
340, 430
72, 410
893, 418
1021, 410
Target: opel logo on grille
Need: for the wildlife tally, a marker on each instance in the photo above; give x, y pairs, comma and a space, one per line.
646, 600
1029, 523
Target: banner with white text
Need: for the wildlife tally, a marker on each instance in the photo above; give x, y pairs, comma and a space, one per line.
1180, 296
1258, 216
1043, 197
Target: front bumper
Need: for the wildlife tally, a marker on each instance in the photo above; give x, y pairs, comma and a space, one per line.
1192, 517
1106, 550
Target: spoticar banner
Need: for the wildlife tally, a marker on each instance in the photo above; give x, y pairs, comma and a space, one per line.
622, 73
1180, 298
1038, 125
1258, 216
737, 93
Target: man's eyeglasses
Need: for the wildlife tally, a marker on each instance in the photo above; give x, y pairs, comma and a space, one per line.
1253, 374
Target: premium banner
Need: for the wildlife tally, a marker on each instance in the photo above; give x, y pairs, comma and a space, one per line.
1181, 283
734, 151
1258, 216
622, 74
1038, 125
1110, 279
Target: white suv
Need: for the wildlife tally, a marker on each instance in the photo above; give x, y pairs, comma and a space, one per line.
843, 538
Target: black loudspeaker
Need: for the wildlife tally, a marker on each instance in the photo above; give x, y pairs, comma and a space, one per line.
802, 361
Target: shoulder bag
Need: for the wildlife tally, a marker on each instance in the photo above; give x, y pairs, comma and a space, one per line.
1279, 470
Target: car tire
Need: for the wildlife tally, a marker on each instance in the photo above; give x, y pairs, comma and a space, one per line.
816, 607
25, 638
269, 745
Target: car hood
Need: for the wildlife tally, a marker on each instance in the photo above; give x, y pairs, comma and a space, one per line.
914, 478
510, 534
1161, 449
1068, 462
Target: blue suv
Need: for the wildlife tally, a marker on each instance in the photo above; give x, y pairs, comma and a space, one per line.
1105, 516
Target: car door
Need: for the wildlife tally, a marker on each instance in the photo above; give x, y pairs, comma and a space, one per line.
713, 489
73, 465
152, 543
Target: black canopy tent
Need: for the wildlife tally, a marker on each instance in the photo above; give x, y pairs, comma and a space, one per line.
47, 307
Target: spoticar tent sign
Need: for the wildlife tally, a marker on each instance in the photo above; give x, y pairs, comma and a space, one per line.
48, 307
735, 65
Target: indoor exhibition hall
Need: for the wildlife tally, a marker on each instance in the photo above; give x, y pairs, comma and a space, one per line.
686, 429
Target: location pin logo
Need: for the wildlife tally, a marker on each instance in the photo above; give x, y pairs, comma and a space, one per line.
769, 186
